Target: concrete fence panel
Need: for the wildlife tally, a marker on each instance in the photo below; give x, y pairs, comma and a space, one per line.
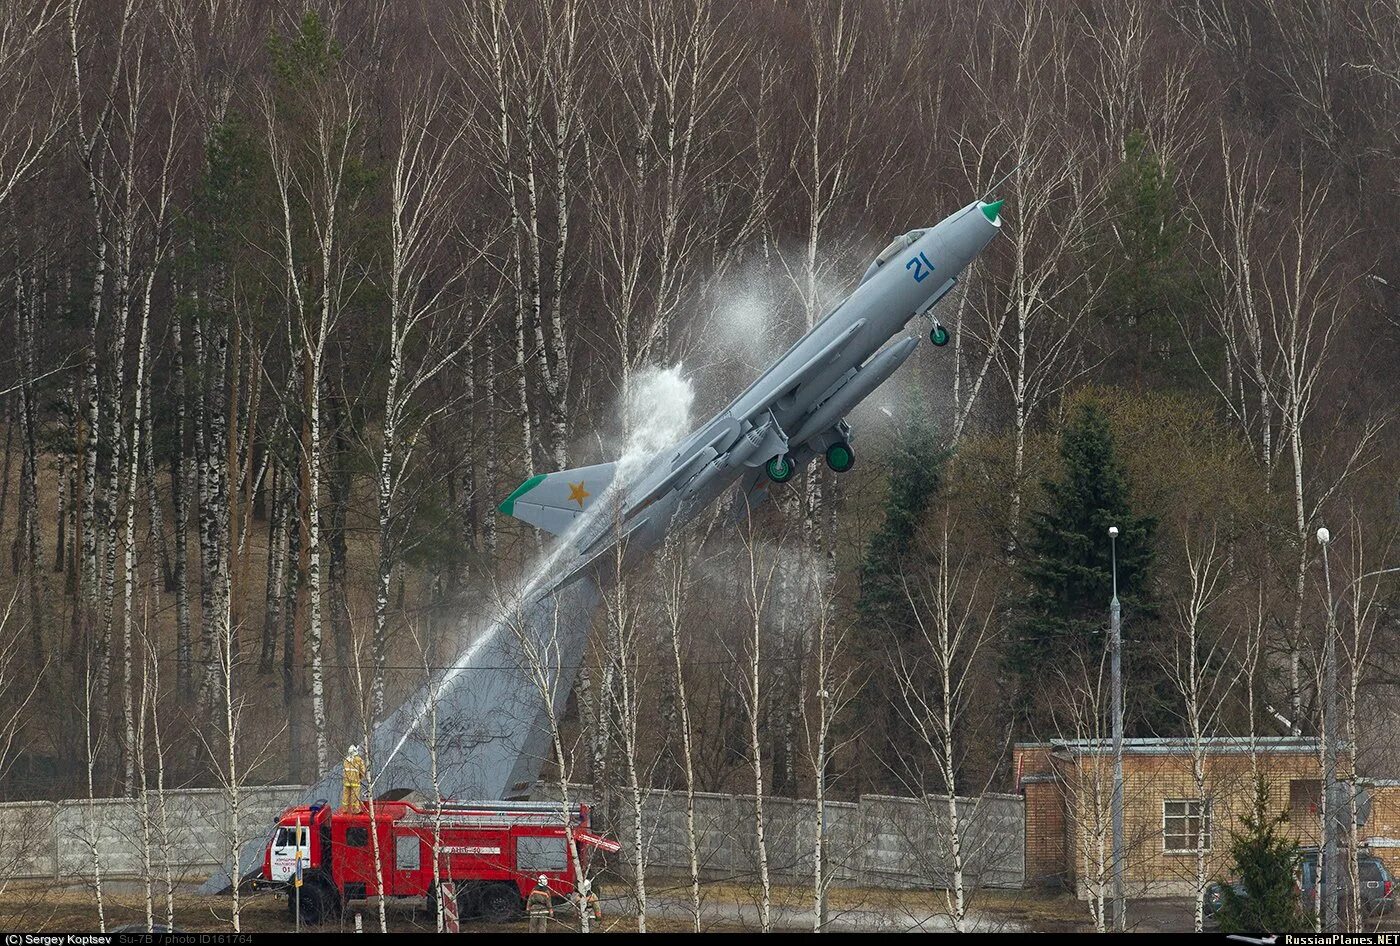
878, 840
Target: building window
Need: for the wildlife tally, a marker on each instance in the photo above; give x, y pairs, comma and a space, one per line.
1183, 820
1304, 797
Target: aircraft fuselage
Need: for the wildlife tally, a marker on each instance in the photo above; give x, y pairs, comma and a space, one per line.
796, 407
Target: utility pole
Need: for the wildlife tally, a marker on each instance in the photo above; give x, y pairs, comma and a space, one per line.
1120, 901
1328, 889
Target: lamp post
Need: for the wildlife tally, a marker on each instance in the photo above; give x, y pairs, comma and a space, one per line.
1328, 889
1120, 902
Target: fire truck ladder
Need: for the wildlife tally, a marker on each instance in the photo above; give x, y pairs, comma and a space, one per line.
493, 814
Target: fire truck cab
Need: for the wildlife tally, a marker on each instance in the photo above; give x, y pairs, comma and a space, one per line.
493, 852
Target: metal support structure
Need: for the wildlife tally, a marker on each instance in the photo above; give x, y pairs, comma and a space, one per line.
1120, 900
296, 878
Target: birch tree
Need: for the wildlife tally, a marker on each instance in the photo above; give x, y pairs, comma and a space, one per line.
531, 63
1088, 804
935, 680
759, 567
365, 696
18, 689
27, 137
93, 134
1281, 309
159, 238
660, 193
1200, 668
422, 339
91, 745
541, 659
832, 687
625, 618
1362, 619
316, 181
673, 570
1027, 317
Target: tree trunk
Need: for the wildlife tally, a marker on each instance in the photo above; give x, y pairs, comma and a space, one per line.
291, 627
179, 497
311, 551
29, 473
273, 586
129, 566
340, 487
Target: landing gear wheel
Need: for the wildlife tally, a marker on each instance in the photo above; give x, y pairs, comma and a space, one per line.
939, 335
499, 903
840, 457
780, 469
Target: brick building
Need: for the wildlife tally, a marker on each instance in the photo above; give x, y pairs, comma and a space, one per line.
1380, 810
1068, 787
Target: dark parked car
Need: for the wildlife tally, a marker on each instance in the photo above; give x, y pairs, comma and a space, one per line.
1377, 887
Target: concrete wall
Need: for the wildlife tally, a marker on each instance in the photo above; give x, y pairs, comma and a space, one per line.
879, 840
56, 839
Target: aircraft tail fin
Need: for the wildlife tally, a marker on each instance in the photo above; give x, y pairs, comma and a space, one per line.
552, 501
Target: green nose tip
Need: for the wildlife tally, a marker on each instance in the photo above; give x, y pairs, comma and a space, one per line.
992, 210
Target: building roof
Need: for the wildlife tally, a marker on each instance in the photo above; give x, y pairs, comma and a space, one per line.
1179, 745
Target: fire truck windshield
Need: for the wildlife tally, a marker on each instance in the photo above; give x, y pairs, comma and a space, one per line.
287, 837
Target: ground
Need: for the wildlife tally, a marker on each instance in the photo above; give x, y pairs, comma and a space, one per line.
37, 906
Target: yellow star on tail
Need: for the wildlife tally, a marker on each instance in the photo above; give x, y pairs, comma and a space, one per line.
578, 494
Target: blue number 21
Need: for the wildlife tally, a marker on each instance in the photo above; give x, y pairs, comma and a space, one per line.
921, 267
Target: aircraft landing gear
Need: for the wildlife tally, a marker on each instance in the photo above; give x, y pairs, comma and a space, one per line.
780, 469
939, 336
840, 457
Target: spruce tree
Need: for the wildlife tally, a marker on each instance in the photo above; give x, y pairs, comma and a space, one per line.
916, 472
1067, 568
1265, 861
886, 619
1143, 258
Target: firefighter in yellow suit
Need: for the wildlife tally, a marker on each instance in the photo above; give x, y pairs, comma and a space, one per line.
540, 906
354, 777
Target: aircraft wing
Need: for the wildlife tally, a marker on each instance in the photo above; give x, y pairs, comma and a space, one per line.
770, 387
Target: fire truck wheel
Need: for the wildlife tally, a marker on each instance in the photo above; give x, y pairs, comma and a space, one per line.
469, 901
319, 902
500, 902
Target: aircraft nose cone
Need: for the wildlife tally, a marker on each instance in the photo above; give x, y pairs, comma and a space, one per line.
992, 211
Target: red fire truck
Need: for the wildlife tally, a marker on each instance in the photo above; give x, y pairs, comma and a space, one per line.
493, 852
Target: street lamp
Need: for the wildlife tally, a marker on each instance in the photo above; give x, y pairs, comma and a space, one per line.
1329, 899
1120, 902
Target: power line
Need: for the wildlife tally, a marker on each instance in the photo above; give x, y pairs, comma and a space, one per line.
432, 667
